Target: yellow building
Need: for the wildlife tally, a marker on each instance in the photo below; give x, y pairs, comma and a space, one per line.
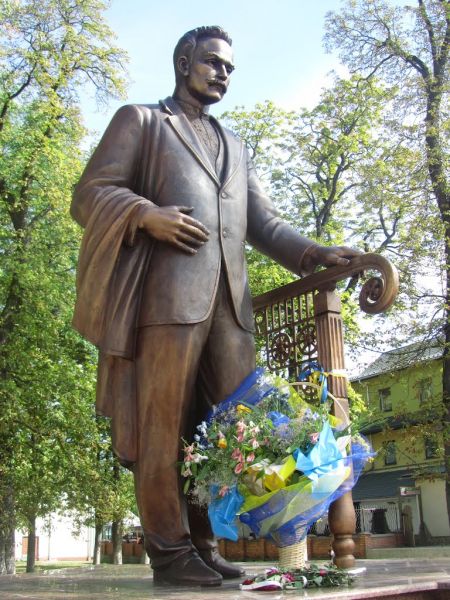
403, 391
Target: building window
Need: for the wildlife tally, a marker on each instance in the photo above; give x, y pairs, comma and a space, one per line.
431, 447
390, 454
385, 399
424, 390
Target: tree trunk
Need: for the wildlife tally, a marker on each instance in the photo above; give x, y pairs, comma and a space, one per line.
2, 554
31, 552
7, 526
10, 551
97, 558
446, 370
116, 531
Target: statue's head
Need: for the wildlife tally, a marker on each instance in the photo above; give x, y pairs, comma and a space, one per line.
203, 62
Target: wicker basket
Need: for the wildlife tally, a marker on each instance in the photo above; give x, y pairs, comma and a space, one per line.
293, 557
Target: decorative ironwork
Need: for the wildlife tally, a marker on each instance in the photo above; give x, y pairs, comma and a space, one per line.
280, 351
284, 317
286, 334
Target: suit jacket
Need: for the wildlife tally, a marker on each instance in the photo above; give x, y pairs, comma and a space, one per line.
151, 154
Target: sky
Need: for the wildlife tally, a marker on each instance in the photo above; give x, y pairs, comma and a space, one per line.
277, 47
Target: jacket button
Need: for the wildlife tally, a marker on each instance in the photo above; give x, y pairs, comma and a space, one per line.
224, 195
225, 233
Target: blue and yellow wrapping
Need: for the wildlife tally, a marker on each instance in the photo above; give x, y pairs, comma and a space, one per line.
286, 512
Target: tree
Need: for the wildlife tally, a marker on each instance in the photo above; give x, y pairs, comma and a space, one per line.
312, 161
49, 48
109, 498
409, 47
262, 130
325, 152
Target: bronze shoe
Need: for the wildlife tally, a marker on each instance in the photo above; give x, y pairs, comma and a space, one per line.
213, 559
188, 569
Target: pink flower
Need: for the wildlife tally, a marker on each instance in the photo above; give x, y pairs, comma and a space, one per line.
237, 455
241, 426
240, 437
188, 451
314, 437
250, 457
223, 490
254, 443
239, 468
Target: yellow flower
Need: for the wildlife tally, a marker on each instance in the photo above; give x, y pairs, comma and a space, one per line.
243, 409
222, 443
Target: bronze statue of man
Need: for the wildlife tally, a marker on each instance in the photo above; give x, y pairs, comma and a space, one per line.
168, 201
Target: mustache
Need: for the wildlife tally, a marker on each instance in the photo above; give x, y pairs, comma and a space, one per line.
217, 83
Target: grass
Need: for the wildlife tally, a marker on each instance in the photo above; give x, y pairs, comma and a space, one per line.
43, 565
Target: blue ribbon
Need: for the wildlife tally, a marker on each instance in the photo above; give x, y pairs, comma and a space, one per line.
324, 456
250, 392
222, 512
278, 418
307, 373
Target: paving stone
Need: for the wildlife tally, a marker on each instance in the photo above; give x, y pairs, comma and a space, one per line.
411, 579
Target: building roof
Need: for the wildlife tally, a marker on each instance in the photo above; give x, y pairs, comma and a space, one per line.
402, 358
381, 484
375, 485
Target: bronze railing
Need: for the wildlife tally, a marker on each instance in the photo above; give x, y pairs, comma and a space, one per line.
301, 322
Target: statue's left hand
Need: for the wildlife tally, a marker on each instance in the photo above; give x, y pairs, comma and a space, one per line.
329, 256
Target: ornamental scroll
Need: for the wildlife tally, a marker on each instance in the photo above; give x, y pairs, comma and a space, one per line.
284, 317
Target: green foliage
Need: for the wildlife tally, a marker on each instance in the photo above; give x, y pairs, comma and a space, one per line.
408, 47
311, 162
48, 433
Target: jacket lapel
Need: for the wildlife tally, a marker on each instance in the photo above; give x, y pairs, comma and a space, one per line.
233, 152
185, 132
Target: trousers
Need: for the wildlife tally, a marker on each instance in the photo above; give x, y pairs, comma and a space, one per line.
181, 372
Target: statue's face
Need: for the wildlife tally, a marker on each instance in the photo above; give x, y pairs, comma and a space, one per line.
208, 74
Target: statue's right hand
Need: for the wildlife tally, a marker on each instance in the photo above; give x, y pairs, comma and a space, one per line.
174, 225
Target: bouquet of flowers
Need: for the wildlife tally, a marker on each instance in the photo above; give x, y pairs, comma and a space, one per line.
267, 457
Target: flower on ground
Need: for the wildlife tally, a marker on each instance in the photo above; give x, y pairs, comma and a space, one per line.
222, 443
239, 468
250, 457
